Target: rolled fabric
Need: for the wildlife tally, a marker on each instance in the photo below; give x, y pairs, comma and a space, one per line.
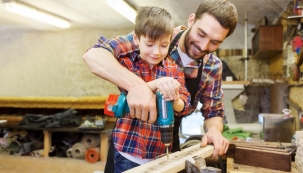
71, 138
3, 151
3, 143
61, 150
13, 147
90, 140
33, 153
38, 153
92, 155
69, 153
52, 148
21, 133
38, 145
78, 151
35, 136
26, 147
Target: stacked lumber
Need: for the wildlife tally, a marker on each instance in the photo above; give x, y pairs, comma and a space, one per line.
299, 153
269, 155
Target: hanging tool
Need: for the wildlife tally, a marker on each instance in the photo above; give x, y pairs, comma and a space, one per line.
116, 106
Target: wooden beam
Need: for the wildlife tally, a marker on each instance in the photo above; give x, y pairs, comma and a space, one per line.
263, 158
89, 102
176, 162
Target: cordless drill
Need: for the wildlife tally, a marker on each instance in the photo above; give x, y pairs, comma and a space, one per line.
116, 106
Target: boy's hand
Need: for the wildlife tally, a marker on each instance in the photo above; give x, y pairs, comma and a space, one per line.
168, 87
142, 103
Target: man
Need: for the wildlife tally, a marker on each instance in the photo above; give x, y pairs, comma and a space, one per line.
213, 21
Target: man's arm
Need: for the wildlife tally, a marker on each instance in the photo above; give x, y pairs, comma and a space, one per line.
213, 110
140, 98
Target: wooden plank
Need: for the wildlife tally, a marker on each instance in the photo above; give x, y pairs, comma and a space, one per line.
103, 147
47, 142
28, 164
90, 102
232, 167
236, 82
263, 144
261, 158
176, 162
265, 149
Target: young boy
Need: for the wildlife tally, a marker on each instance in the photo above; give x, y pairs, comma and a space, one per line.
136, 141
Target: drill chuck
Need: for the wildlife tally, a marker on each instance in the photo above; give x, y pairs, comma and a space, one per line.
167, 134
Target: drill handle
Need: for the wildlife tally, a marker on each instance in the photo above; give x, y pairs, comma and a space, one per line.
165, 111
121, 108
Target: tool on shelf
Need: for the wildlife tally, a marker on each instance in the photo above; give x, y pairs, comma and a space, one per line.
93, 124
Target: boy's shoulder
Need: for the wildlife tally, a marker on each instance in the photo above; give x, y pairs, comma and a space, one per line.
169, 62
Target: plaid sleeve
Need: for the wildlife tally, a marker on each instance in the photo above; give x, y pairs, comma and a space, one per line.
121, 46
212, 95
184, 94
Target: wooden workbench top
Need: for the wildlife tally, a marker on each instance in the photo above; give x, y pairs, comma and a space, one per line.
236, 82
238, 168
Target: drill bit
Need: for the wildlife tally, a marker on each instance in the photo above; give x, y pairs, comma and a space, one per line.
167, 155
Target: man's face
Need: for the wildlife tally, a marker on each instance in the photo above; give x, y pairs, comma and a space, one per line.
153, 52
203, 36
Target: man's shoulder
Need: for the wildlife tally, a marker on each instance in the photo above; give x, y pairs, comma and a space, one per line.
213, 61
179, 29
213, 58
128, 37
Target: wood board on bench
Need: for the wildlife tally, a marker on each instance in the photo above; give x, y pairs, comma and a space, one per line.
176, 162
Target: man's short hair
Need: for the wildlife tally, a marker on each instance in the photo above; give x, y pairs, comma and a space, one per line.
224, 11
154, 23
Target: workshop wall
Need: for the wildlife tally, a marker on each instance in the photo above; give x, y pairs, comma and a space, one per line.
233, 46
295, 90
256, 68
36, 63
39, 63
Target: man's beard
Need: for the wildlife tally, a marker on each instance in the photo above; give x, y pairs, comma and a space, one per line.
187, 43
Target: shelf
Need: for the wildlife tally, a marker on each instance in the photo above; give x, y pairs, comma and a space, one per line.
267, 42
14, 108
104, 135
93, 102
294, 17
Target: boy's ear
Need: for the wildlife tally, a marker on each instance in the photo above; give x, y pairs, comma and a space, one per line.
136, 39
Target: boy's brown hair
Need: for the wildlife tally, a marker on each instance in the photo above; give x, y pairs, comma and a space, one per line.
154, 23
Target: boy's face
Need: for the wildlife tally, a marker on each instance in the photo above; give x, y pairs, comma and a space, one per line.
153, 52
203, 36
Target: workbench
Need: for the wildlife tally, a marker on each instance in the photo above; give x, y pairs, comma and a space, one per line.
232, 167
231, 90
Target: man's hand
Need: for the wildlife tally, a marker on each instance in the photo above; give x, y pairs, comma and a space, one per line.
214, 136
142, 103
